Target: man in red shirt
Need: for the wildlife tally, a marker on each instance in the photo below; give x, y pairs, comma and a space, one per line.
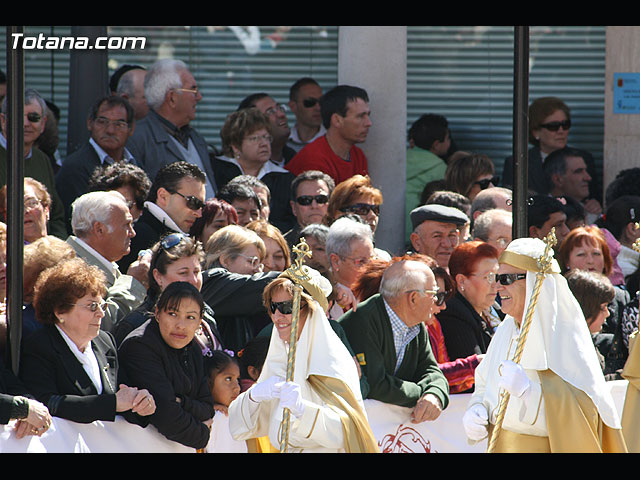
346, 116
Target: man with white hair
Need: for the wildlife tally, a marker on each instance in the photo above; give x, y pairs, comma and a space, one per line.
165, 134
102, 230
388, 335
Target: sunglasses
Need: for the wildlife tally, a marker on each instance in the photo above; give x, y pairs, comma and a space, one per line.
285, 308
93, 306
193, 203
484, 183
555, 126
306, 200
310, 102
361, 209
438, 296
509, 278
34, 117
172, 240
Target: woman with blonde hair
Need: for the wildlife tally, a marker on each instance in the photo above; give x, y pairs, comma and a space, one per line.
235, 248
277, 255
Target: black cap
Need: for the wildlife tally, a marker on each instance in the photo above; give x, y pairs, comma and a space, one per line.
438, 213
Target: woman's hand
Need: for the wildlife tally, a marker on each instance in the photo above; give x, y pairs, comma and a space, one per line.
138, 401
345, 297
37, 422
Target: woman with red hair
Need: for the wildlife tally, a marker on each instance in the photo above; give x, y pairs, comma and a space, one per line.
471, 315
459, 372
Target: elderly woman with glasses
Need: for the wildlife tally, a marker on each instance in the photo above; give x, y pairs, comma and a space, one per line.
37, 204
471, 315
71, 365
549, 125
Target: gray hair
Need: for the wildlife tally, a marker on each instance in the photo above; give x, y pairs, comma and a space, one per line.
486, 199
342, 232
485, 221
30, 95
163, 76
317, 231
402, 276
126, 84
94, 207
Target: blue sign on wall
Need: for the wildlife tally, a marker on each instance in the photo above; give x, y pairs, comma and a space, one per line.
626, 93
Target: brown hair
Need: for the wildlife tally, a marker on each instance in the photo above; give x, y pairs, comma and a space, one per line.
265, 229
540, 109
239, 125
347, 191
59, 287
464, 170
591, 290
307, 303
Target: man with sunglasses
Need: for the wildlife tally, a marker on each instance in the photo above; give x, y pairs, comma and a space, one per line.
166, 135
111, 122
36, 164
304, 103
175, 201
310, 192
346, 116
389, 337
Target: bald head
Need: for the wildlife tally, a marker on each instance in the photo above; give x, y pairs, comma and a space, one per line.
406, 275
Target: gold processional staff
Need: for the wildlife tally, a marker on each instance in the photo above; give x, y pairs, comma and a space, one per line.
544, 263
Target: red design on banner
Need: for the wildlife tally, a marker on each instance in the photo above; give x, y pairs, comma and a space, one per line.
405, 440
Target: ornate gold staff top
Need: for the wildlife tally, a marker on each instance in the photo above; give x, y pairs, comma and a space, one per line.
544, 262
299, 277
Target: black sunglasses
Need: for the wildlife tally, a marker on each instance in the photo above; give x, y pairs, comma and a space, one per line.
310, 102
34, 117
509, 278
194, 203
308, 199
172, 240
439, 298
484, 184
555, 126
361, 209
285, 308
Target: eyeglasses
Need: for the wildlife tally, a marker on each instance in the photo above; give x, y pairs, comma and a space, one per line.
502, 242
310, 102
358, 262
275, 110
253, 261
93, 306
509, 278
362, 209
172, 240
285, 308
31, 203
555, 126
490, 277
260, 138
34, 117
438, 296
194, 203
485, 182
306, 200
190, 90
105, 122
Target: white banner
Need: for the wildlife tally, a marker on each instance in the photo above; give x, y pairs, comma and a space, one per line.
391, 426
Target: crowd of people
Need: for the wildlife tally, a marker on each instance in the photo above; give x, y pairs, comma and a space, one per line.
158, 279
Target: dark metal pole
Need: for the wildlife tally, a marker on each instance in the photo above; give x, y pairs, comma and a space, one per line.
520, 130
15, 193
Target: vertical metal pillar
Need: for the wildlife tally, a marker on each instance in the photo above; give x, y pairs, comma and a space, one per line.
520, 130
15, 194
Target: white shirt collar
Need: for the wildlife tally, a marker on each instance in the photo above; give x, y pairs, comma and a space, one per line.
268, 167
104, 156
162, 216
86, 358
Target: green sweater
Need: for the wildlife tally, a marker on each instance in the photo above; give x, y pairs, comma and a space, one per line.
369, 332
38, 167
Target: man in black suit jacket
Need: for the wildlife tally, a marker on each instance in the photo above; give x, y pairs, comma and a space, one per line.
110, 124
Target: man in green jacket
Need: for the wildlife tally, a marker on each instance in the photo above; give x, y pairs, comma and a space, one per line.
390, 340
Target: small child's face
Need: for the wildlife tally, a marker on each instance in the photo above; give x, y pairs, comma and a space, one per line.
226, 385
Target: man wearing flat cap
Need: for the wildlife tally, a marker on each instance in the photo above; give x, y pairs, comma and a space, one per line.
436, 231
